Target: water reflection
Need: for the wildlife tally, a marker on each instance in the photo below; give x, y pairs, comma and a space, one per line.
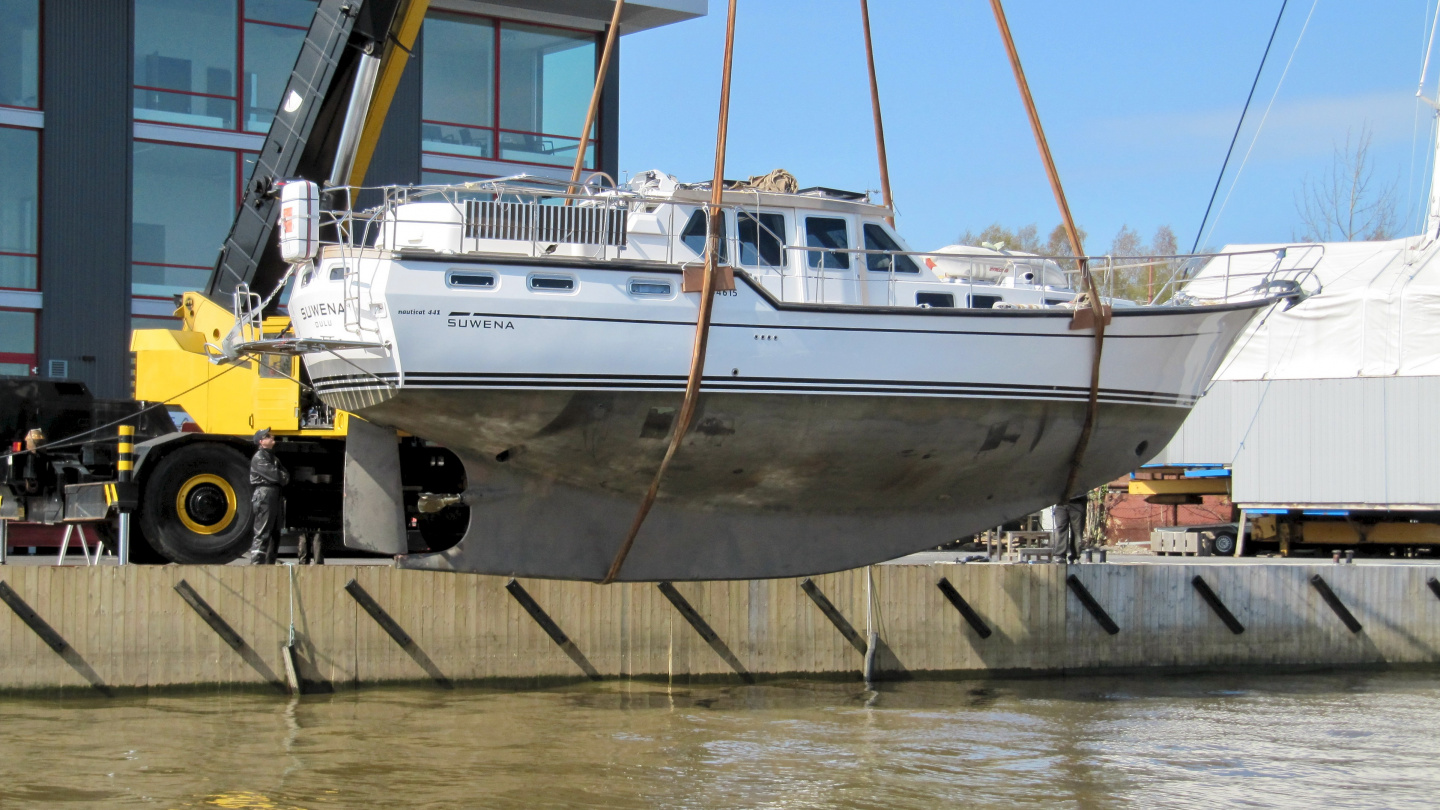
1357, 740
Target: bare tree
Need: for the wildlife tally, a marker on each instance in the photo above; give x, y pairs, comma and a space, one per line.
1346, 204
1021, 240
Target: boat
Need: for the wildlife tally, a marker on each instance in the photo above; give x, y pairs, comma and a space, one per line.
859, 401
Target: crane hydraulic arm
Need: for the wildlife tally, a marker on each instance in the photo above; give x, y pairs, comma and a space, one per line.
326, 127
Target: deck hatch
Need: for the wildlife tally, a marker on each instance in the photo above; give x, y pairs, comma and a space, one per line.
550, 224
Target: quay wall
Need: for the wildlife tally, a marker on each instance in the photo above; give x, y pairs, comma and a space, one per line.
130, 628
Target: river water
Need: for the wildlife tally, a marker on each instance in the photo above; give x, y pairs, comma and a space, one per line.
1344, 740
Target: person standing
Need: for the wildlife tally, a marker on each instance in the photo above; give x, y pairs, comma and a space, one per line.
267, 476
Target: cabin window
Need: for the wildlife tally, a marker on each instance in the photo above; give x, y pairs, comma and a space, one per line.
762, 239
694, 234
552, 283
1056, 302
337, 273
472, 281
985, 301
650, 288
827, 232
877, 239
934, 299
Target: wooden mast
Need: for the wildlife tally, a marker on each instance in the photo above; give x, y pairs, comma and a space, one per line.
875, 113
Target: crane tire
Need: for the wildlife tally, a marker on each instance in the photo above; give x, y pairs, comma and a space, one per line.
195, 504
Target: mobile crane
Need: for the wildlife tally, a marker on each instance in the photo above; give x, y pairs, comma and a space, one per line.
189, 487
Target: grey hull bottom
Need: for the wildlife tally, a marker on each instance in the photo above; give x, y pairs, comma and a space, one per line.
764, 485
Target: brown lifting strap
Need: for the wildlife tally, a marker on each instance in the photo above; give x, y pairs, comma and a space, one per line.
715, 232
1091, 293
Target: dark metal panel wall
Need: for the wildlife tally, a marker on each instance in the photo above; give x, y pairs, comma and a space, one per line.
609, 157
85, 168
397, 154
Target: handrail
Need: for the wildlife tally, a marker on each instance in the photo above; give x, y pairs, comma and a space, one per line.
1295, 263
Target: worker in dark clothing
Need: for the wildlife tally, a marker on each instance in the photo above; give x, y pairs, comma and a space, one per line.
1069, 532
267, 476
310, 552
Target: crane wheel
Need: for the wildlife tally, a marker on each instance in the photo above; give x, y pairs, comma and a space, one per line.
195, 507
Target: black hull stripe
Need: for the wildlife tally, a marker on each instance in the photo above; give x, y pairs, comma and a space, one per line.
502, 385
439, 378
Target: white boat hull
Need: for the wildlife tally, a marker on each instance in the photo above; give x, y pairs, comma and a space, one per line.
827, 437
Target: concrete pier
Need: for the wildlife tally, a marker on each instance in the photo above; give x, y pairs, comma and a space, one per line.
131, 628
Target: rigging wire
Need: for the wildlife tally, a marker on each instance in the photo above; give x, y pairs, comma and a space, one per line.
1256, 137
1411, 213
1238, 125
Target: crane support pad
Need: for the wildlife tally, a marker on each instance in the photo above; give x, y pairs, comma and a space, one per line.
374, 512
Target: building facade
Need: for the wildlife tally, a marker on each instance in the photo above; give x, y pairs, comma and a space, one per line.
128, 129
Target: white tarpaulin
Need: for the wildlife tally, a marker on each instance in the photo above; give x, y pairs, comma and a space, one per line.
1376, 312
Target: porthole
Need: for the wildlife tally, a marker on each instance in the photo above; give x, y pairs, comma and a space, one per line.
471, 281
337, 273
552, 283
651, 288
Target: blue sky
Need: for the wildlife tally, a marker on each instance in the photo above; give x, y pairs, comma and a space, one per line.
1139, 100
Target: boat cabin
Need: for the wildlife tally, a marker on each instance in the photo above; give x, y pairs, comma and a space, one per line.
815, 245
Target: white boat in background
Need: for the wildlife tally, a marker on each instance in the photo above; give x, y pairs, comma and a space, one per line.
860, 400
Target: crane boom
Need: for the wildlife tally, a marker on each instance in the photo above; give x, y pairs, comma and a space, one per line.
326, 127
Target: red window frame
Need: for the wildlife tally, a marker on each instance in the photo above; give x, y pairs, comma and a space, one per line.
32, 360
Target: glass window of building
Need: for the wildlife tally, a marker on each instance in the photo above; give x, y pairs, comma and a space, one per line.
185, 62
544, 77
458, 98
19, 207
20, 53
273, 31
17, 342
184, 202
189, 53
